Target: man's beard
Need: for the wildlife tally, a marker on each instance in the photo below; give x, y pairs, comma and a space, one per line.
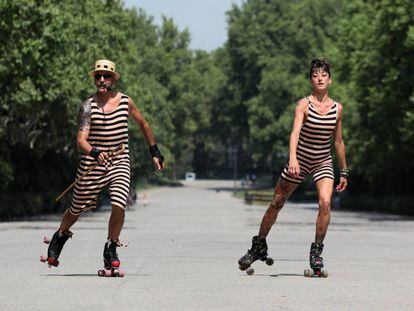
104, 85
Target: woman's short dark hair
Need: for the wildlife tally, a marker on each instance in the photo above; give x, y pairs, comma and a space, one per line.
319, 63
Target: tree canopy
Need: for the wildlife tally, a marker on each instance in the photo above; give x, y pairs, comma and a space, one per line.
203, 105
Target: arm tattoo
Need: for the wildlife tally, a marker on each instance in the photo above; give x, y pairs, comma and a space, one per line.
85, 116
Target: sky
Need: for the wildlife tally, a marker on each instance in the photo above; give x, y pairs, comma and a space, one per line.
205, 19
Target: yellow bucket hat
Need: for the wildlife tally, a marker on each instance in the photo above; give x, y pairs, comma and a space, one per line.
105, 65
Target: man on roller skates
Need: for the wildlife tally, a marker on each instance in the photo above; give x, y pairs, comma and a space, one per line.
317, 119
103, 141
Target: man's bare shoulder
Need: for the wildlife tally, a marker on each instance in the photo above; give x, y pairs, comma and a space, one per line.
86, 104
131, 104
85, 115
130, 100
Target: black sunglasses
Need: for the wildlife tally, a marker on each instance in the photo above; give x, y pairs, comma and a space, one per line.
106, 76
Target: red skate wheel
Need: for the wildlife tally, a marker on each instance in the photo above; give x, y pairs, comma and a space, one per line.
52, 262
115, 264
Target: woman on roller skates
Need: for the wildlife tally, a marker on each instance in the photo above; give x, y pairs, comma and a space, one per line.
103, 127
317, 119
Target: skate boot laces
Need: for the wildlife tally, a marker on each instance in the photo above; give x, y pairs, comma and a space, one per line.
111, 247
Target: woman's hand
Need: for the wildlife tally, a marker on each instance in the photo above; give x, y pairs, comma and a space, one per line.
294, 168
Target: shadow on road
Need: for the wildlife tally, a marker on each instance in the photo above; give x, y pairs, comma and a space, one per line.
91, 274
286, 274
74, 274
275, 275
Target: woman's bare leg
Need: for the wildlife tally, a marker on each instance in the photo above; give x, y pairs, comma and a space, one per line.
283, 190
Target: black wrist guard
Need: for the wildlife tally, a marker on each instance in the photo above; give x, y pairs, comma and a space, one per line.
344, 172
155, 152
95, 153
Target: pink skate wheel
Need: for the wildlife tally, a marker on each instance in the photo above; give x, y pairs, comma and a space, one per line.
108, 273
46, 240
121, 273
43, 258
101, 272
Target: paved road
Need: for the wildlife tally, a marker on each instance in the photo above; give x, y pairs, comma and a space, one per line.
183, 252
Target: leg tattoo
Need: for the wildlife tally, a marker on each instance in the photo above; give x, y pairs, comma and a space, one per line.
319, 237
283, 190
269, 218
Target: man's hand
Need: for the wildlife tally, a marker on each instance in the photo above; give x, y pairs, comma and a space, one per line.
160, 166
157, 157
103, 157
100, 156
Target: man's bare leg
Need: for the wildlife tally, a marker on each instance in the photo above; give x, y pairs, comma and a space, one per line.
68, 219
116, 222
59, 238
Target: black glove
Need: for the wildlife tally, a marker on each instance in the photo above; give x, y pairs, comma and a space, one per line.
95, 153
155, 152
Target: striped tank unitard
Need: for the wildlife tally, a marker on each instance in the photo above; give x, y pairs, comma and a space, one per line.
108, 130
314, 146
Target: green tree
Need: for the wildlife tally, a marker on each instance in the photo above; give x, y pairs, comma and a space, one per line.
375, 43
48, 49
270, 46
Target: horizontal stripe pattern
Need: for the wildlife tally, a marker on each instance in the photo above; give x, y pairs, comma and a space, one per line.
314, 145
316, 132
107, 131
86, 191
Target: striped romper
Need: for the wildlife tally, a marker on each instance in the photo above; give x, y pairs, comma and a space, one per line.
107, 131
314, 146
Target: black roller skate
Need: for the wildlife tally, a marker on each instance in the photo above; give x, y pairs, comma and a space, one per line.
316, 262
55, 247
258, 251
111, 260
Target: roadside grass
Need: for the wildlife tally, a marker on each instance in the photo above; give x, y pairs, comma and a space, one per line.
264, 196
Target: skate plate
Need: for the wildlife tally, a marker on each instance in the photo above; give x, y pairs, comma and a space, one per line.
45, 259
111, 273
316, 272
